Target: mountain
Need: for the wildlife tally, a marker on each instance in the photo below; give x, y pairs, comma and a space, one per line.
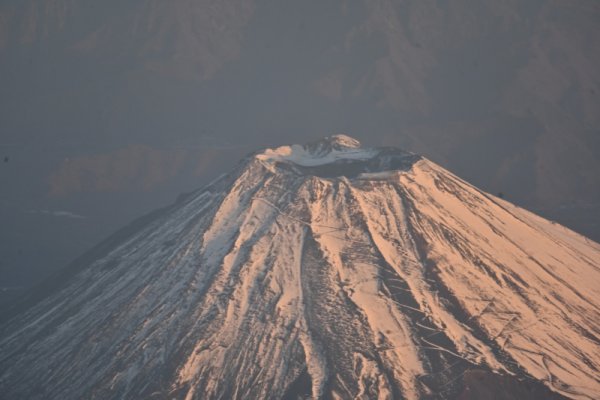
110, 109
329, 271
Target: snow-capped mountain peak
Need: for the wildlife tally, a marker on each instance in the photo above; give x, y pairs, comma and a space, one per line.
319, 271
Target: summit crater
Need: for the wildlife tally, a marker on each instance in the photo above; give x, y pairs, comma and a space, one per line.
338, 156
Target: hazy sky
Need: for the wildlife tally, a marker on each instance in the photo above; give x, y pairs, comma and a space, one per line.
111, 110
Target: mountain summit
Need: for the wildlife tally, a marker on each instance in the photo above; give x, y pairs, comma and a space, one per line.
319, 271
335, 142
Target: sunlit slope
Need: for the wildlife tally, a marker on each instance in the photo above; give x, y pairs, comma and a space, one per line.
323, 271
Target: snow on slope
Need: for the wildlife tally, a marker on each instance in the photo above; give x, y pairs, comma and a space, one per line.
321, 271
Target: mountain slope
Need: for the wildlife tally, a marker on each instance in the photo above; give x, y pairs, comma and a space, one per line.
329, 271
